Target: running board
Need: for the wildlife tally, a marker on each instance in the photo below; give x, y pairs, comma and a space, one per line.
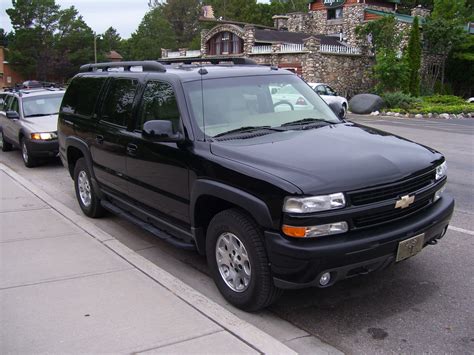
147, 226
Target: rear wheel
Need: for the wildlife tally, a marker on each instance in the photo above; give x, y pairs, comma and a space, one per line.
85, 194
28, 160
238, 262
6, 147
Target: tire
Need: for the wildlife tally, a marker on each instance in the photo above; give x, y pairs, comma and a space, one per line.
231, 228
6, 147
28, 160
85, 194
344, 107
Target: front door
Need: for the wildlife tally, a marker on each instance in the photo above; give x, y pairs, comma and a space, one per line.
158, 171
112, 137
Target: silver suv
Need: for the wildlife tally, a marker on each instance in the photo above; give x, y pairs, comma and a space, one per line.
28, 120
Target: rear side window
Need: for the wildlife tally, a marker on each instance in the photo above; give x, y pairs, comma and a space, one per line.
159, 103
118, 105
81, 95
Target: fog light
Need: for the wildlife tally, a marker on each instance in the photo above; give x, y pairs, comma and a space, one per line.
439, 193
325, 279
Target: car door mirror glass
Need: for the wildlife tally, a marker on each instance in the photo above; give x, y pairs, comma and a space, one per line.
12, 115
161, 130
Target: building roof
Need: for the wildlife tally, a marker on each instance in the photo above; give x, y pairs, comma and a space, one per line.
113, 55
392, 1
271, 36
398, 17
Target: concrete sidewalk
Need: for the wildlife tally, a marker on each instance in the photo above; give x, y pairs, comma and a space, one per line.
68, 287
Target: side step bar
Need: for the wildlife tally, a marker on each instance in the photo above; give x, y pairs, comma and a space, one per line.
147, 226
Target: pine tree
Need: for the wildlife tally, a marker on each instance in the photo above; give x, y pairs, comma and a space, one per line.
414, 59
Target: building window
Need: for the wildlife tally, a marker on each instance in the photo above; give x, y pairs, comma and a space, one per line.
224, 43
335, 14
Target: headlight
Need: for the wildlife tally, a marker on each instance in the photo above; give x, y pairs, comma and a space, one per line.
314, 203
315, 231
441, 171
46, 136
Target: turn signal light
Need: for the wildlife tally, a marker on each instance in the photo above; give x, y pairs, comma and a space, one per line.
296, 232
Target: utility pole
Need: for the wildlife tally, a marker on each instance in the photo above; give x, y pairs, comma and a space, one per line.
95, 48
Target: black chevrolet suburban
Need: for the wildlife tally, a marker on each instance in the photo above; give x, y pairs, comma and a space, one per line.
275, 189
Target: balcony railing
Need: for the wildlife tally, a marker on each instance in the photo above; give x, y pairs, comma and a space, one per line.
261, 49
326, 48
188, 54
292, 48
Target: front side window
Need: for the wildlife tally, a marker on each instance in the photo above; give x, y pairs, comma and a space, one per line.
159, 103
13, 105
330, 91
118, 105
42, 105
272, 101
335, 14
321, 90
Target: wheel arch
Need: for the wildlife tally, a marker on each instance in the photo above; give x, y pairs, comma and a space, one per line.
210, 197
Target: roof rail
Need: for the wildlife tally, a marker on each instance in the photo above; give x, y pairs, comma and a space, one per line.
147, 65
234, 60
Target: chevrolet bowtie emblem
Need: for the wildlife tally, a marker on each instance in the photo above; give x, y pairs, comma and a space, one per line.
405, 201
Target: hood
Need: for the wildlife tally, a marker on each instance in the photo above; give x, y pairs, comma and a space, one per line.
334, 158
41, 124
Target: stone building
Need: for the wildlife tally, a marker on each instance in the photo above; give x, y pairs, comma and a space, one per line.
320, 45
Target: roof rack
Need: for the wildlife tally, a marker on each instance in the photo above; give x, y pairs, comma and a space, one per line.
147, 65
234, 60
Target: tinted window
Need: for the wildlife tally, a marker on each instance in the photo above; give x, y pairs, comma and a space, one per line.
159, 103
81, 95
118, 104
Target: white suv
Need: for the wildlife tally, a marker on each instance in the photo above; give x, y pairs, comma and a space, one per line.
28, 120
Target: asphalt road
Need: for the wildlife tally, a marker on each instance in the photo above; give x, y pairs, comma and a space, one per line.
423, 305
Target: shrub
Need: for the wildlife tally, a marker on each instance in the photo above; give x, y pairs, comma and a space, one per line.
399, 100
449, 100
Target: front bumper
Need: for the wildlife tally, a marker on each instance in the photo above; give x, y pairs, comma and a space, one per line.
300, 263
43, 149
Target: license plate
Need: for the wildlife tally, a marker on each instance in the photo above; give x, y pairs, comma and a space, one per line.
410, 247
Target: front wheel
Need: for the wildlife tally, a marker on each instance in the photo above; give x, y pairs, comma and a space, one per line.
28, 160
85, 194
238, 262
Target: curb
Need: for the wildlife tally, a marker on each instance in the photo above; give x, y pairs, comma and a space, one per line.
243, 330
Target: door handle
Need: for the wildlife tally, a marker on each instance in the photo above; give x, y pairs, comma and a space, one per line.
132, 149
99, 139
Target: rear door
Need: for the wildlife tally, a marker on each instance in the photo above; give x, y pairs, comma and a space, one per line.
11, 128
112, 137
158, 171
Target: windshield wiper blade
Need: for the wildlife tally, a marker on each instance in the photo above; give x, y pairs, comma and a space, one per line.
307, 121
246, 129
41, 114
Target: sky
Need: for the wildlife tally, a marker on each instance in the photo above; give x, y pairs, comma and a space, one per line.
123, 15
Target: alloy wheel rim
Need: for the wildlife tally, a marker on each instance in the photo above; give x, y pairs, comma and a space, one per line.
233, 262
24, 152
84, 188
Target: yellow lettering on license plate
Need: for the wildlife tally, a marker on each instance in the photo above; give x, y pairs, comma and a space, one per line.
409, 247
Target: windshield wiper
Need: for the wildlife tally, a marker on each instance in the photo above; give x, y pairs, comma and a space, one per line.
307, 121
41, 114
247, 129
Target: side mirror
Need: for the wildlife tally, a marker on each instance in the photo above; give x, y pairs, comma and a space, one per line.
336, 107
12, 115
161, 131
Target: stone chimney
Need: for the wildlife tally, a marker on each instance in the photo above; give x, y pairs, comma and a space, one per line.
280, 22
420, 11
207, 12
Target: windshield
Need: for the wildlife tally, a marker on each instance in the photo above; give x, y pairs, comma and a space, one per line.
42, 105
254, 101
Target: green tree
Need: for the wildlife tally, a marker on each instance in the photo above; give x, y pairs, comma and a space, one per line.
111, 40
183, 16
414, 59
153, 33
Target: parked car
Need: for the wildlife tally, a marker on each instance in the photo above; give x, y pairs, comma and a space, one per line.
29, 119
200, 156
329, 95
470, 100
